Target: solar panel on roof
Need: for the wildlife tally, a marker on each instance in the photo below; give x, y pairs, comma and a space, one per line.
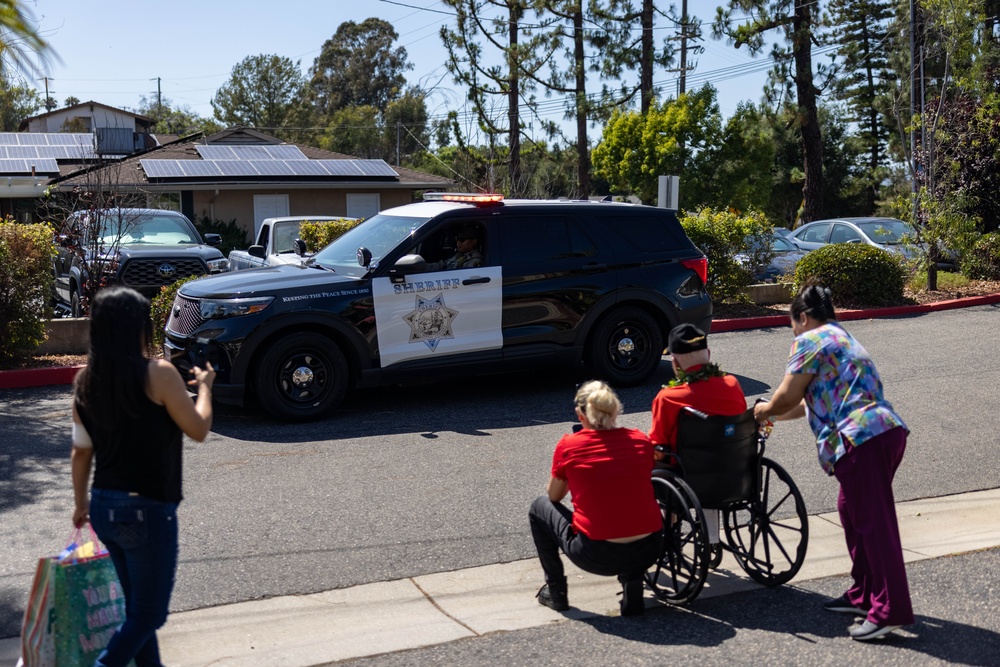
305, 168
71, 139
216, 152
161, 168
41, 165
338, 167
234, 168
285, 152
272, 167
375, 168
199, 168
30, 139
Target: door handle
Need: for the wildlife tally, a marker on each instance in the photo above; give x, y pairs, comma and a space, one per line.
476, 281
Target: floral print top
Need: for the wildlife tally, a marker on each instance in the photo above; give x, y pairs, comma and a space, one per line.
844, 401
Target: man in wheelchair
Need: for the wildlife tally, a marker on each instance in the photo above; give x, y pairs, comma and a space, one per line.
698, 384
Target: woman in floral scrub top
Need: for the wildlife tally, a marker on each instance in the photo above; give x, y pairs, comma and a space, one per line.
860, 440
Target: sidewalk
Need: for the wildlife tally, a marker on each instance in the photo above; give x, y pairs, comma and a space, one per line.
307, 630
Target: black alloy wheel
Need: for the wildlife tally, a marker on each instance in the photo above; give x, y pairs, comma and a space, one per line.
302, 377
626, 347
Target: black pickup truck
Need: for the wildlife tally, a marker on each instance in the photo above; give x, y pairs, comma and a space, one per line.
144, 249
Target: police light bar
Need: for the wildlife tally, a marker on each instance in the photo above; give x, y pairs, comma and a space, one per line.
467, 197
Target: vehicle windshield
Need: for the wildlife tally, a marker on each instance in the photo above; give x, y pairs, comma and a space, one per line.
285, 234
781, 244
145, 229
889, 232
380, 234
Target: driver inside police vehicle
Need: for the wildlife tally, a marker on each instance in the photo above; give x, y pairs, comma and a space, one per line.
468, 251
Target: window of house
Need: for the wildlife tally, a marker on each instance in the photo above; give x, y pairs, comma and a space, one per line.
168, 201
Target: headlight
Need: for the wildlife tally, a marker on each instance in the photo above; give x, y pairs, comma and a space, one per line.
217, 265
217, 309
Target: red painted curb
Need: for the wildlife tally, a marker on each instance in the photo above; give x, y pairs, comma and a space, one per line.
38, 377
741, 324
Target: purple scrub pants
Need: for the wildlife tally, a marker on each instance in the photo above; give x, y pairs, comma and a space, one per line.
868, 515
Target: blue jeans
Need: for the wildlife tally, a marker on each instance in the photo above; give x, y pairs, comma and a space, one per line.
141, 537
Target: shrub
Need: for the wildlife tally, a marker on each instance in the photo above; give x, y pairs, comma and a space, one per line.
160, 309
722, 235
25, 288
318, 235
233, 236
982, 262
859, 275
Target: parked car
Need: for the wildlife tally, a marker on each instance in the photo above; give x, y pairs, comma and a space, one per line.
786, 255
276, 243
885, 233
560, 283
142, 248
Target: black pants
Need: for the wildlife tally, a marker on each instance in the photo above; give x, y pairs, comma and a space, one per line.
552, 529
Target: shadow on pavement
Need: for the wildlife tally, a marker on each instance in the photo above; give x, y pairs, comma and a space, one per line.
798, 613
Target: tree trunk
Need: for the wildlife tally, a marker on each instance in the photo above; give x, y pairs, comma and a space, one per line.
812, 141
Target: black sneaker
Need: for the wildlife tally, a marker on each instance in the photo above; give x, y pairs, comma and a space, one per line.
553, 596
869, 630
843, 605
632, 603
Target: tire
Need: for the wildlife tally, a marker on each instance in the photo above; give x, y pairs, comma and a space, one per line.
301, 377
679, 574
75, 306
769, 534
625, 348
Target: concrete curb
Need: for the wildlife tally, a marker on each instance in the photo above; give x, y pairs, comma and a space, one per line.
744, 323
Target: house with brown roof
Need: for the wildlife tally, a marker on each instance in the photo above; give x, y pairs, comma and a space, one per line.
245, 175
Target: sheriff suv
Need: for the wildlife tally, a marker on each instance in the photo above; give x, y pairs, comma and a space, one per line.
559, 283
142, 248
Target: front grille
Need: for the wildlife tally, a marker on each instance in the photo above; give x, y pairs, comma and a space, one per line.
185, 316
155, 273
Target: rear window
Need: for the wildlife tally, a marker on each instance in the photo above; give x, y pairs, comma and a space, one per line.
648, 233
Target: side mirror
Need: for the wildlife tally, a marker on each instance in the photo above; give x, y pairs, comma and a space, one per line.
213, 239
300, 247
407, 265
364, 257
256, 251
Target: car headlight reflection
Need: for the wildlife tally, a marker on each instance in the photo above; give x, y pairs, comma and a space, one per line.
218, 265
217, 309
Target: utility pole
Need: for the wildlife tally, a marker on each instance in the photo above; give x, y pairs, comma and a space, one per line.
49, 105
682, 82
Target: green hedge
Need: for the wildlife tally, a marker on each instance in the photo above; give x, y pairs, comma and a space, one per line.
859, 275
982, 262
722, 235
25, 288
318, 235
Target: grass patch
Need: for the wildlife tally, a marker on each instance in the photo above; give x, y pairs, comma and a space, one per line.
946, 280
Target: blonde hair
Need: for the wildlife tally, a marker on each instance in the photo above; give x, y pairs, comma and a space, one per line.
599, 403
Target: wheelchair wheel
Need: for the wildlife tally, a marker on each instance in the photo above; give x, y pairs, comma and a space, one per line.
678, 576
768, 535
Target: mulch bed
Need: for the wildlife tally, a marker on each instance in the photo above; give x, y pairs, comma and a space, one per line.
725, 311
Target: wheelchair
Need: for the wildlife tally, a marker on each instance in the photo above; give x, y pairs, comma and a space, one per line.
719, 468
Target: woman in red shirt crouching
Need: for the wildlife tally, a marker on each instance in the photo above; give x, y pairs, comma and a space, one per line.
615, 527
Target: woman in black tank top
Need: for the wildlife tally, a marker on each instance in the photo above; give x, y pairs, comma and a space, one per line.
129, 416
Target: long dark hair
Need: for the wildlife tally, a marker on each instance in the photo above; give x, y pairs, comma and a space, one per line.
114, 380
815, 301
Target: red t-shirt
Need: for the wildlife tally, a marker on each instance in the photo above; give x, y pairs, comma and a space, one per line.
609, 474
713, 396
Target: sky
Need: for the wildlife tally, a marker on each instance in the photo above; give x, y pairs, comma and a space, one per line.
115, 51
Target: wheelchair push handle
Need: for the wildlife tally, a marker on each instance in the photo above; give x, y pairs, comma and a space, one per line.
764, 428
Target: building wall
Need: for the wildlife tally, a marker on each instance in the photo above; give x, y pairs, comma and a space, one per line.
238, 204
98, 117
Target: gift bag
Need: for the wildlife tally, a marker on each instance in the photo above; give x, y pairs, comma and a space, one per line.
75, 606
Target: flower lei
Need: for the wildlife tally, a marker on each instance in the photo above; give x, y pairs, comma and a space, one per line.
706, 371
